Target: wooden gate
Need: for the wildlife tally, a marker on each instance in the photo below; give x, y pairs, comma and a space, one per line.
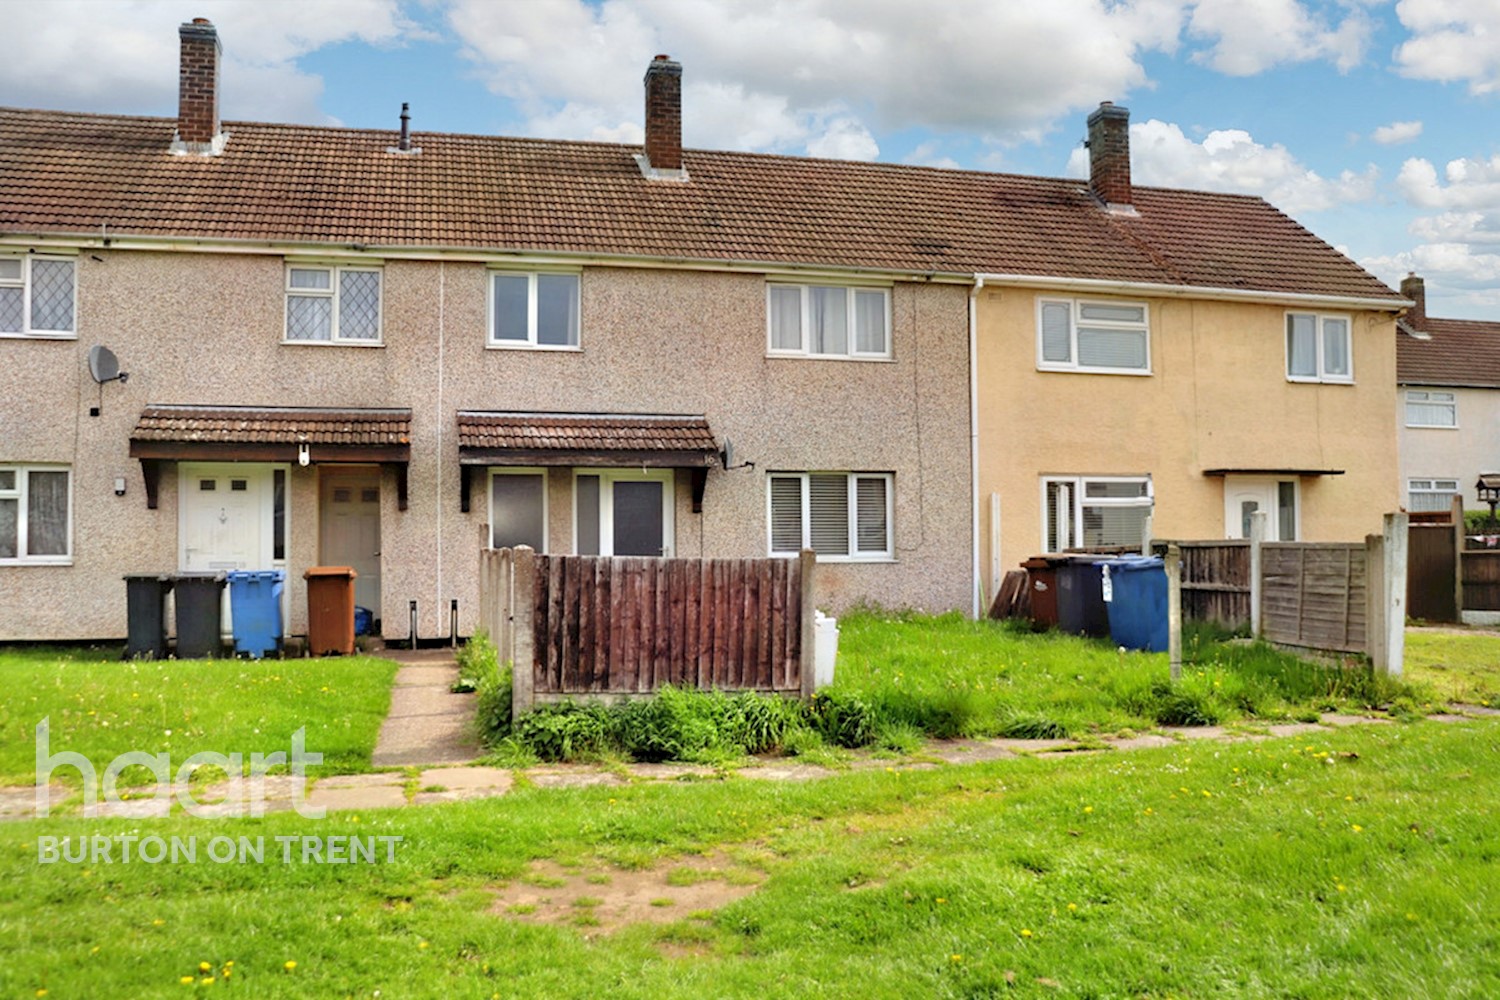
1432, 573
1482, 579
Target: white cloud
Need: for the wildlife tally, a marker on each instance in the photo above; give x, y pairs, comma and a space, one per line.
122, 57
1458, 279
815, 75
928, 154
1251, 36
1397, 133
1231, 160
1452, 41
1465, 183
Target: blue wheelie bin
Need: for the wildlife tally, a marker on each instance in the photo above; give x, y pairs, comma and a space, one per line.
1135, 590
255, 610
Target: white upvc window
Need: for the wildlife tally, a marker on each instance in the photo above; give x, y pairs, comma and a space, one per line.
1318, 348
518, 508
1112, 338
38, 296
1085, 512
842, 516
1431, 494
1431, 408
36, 526
828, 321
537, 309
332, 304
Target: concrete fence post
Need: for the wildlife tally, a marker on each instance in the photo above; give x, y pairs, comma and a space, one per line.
1396, 528
1174, 609
1258, 522
504, 631
1146, 535
523, 661
807, 567
1458, 556
1375, 602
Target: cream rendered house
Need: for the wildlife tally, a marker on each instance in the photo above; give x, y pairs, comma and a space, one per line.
1180, 359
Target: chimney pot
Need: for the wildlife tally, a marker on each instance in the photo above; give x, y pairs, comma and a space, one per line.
664, 114
1109, 155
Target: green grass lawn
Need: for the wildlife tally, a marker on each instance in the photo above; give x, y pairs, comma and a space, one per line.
105, 707
1459, 667
1355, 863
950, 676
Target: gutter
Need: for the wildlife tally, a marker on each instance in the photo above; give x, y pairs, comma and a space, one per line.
1102, 285
978, 586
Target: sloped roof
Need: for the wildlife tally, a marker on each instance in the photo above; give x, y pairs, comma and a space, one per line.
1460, 352
68, 173
654, 439
273, 425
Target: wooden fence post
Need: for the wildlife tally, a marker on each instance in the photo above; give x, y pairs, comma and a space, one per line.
1396, 528
1458, 556
1174, 610
807, 564
523, 662
1257, 538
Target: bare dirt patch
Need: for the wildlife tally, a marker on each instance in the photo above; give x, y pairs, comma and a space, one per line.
602, 899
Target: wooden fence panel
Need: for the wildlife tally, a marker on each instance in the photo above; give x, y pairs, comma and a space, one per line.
1313, 595
623, 626
1430, 593
1481, 579
1216, 581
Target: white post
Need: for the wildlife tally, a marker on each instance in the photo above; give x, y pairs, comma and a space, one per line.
1174, 610
1395, 592
523, 667
1146, 533
1258, 521
995, 575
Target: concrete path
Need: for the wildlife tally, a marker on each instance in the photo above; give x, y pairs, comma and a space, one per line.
427, 723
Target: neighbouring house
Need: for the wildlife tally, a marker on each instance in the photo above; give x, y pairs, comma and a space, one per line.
1178, 356
1448, 404
389, 349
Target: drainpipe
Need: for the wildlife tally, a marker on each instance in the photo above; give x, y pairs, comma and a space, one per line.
974, 441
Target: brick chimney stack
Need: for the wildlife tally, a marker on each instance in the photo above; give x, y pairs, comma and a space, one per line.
1109, 155
198, 89
664, 114
1414, 288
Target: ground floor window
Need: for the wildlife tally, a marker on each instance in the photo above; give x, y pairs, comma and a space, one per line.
518, 508
839, 515
1430, 494
1088, 512
35, 514
623, 512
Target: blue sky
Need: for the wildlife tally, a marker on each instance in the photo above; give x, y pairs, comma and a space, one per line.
1373, 122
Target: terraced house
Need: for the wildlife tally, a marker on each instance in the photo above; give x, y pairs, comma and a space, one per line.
388, 349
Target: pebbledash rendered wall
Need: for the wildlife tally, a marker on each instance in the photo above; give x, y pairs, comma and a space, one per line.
206, 328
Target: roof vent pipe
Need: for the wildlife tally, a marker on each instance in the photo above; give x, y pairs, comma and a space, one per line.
405, 144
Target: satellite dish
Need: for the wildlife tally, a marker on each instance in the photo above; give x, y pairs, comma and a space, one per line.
104, 366
726, 456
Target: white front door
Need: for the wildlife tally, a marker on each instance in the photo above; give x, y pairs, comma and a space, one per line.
225, 511
1245, 495
349, 529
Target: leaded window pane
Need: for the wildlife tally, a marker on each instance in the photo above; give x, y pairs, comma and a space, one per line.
12, 309
309, 318
359, 305
52, 295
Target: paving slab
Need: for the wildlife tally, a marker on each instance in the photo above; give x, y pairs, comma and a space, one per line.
342, 799
427, 723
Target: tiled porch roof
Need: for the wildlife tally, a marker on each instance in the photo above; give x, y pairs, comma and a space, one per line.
579, 434
274, 425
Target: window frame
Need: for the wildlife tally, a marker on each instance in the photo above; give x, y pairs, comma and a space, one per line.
1078, 483
1075, 307
1321, 376
607, 477
20, 494
851, 319
520, 470
530, 343
25, 284
1451, 403
333, 293
854, 555
1432, 490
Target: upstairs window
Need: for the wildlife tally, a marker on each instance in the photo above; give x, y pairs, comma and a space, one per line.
35, 526
38, 296
1430, 494
332, 305
839, 515
829, 321
1430, 408
1318, 349
1079, 335
534, 310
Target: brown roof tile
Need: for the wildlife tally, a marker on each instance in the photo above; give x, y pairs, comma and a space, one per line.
1460, 353
593, 432
273, 425
82, 174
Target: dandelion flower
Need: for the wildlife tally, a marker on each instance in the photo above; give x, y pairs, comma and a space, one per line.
186, 980
955, 958
1025, 933
207, 981
289, 965
1207, 794
421, 944
941, 899
1072, 907
1357, 828
1150, 811
204, 966
1088, 809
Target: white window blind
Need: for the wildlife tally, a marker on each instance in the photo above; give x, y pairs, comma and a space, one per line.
838, 515
1075, 335
1431, 408
1099, 512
